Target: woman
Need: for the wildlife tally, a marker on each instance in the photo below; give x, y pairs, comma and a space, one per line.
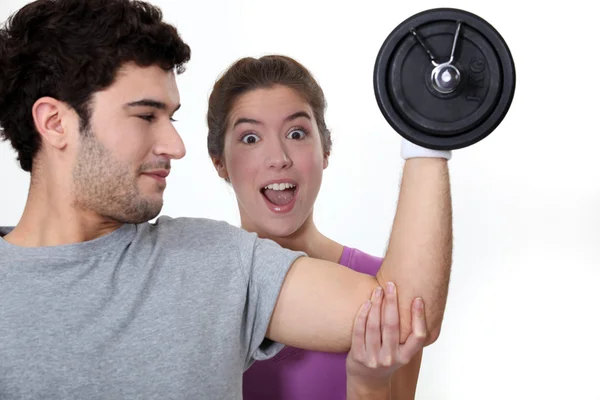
268, 139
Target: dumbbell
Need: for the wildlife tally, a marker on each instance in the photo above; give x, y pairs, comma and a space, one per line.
444, 78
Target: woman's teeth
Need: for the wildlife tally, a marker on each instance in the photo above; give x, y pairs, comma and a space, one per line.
280, 186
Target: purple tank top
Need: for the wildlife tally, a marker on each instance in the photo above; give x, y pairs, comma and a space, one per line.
297, 374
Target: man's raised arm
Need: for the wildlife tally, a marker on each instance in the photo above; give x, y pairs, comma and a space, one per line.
318, 301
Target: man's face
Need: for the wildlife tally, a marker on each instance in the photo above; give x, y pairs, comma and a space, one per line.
123, 157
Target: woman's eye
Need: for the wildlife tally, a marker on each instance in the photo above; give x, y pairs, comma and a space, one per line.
297, 134
250, 138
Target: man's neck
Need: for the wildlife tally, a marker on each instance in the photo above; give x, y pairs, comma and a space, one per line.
50, 219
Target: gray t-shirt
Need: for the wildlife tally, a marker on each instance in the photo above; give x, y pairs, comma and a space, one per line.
176, 309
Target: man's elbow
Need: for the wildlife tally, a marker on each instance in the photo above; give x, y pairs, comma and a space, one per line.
433, 333
433, 328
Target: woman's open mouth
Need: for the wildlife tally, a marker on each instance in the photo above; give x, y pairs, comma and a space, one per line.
280, 197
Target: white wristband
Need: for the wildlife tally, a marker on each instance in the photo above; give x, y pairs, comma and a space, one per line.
411, 150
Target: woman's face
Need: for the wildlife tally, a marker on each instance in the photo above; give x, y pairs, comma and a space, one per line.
274, 159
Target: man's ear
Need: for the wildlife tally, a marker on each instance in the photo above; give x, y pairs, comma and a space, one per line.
49, 118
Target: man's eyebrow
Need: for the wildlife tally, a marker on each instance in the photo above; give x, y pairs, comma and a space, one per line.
159, 105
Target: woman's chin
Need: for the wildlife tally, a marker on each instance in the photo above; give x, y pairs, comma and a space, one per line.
278, 228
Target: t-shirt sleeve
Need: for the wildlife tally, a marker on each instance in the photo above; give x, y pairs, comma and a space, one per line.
267, 265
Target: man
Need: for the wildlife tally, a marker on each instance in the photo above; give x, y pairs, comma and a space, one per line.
99, 303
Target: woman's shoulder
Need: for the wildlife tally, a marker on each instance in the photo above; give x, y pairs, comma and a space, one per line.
360, 261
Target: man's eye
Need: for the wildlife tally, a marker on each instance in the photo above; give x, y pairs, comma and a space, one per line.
148, 118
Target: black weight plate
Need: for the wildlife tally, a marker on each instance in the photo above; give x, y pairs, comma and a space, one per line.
440, 114
405, 93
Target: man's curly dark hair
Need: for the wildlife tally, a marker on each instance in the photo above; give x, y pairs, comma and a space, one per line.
70, 49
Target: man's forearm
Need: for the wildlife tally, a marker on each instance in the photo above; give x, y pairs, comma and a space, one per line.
419, 254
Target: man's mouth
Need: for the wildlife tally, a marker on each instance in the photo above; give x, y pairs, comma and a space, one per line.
158, 175
280, 194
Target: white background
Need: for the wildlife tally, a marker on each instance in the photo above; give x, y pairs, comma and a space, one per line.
522, 318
